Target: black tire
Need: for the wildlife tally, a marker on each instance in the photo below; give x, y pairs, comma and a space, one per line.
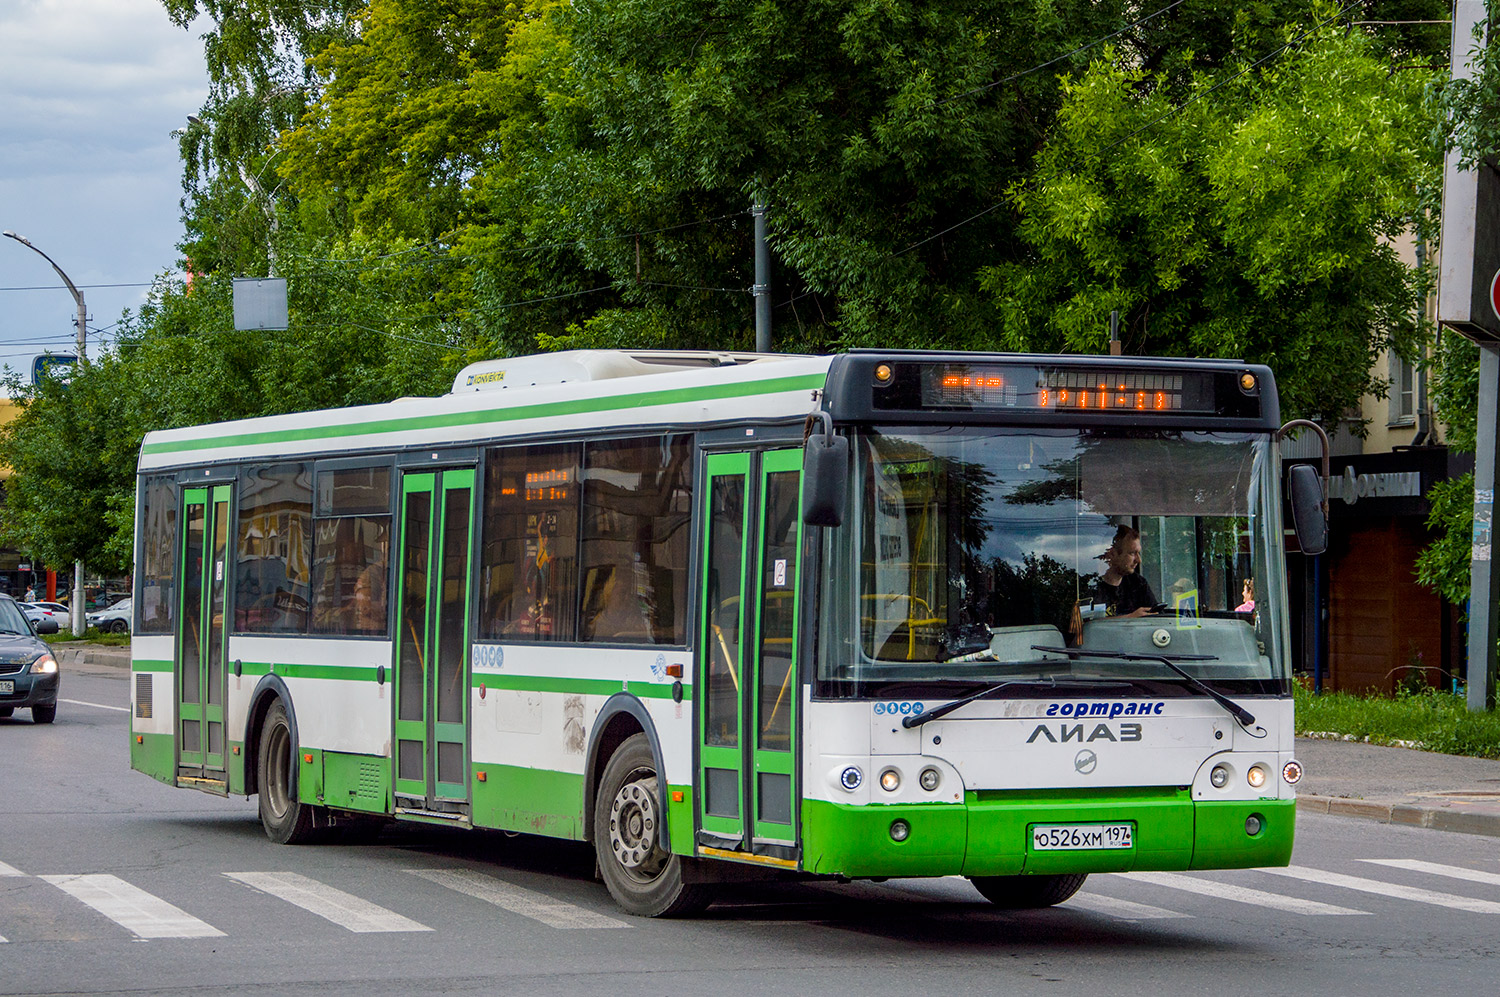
1028, 892
119, 627
643, 878
287, 821
44, 714
6, 711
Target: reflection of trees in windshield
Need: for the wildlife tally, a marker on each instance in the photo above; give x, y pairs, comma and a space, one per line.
1039, 590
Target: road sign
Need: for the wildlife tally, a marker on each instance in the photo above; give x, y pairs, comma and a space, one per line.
59, 365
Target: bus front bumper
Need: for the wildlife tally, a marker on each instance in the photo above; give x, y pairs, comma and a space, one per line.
989, 834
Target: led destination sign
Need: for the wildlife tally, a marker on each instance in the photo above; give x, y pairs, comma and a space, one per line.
1081, 389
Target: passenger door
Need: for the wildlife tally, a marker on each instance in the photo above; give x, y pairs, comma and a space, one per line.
747, 676
431, 645
200, 664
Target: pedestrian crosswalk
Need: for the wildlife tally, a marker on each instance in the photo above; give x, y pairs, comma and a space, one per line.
1298, 891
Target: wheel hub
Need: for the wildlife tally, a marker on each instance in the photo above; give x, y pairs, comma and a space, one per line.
632, 828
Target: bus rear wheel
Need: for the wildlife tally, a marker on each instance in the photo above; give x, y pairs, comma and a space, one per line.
1028, 892
644, 878
287, 820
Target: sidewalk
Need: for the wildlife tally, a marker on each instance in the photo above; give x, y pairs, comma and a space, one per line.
74, 655
1400, 786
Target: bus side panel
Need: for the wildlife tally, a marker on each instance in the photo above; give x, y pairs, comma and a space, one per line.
530, 732
152, 710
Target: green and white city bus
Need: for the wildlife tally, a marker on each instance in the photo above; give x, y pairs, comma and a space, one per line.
728, 615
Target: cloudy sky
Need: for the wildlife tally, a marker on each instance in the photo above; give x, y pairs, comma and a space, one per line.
90, 91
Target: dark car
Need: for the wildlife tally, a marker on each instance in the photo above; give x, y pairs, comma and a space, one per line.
28, 671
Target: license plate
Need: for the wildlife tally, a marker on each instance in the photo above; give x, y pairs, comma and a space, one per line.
1076, 837
7, 688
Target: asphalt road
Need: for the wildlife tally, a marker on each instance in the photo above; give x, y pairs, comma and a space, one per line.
111, 883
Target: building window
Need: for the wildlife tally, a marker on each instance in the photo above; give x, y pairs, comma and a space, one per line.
1403, 398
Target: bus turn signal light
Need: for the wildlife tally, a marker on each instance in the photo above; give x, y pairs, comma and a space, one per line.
307, 758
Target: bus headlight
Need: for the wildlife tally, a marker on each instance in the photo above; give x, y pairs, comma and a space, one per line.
1219, 776
929, 779
890, 780
1256, 777
851, 778
1292, 772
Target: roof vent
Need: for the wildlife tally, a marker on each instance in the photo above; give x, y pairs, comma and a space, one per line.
572, 366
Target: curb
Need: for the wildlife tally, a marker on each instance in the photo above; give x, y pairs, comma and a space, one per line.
117, 657
1436, 818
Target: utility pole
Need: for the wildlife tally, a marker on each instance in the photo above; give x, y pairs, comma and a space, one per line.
762, 288
1467, 281
75, 605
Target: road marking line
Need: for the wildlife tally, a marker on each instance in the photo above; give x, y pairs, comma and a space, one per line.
1125, 910
1392, 890
10, 870
518, 900
1239, 894
1451, 871
343, 909
133, 908
97, 706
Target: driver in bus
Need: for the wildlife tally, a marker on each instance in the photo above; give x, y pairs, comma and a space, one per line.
1122, 590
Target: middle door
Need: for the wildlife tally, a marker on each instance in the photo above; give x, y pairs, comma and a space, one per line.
431, 680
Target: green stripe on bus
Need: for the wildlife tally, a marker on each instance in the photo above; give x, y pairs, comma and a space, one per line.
586, 687
459, 419
519, 683
143, 665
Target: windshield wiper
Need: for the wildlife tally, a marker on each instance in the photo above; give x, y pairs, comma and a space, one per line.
1048, 683
1244, 716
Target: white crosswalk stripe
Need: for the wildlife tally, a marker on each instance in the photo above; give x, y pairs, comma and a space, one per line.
1435, 869
1125, 910
133, 908
343, 909
1392, 890
1238, 894
518, 900
10, 870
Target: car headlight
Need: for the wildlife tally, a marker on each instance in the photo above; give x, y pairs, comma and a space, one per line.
45, 665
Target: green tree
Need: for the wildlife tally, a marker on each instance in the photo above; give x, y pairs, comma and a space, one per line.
1251, 218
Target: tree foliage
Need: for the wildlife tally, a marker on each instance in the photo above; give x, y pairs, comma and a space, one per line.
443, 180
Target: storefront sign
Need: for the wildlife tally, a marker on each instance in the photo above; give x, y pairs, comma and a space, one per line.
1351, 487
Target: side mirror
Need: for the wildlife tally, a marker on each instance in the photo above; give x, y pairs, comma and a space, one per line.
45, 626
1306, 491
825, 476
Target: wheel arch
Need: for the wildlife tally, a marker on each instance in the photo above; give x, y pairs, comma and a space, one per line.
267, 691
621, 717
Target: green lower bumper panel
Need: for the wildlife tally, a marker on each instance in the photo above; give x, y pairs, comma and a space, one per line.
155, 755
991, 834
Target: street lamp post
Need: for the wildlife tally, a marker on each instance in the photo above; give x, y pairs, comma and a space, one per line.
75, 607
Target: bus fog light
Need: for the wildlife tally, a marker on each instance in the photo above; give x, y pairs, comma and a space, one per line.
1292, 772
900, 830
851, 778
929, 779
890, 780
1219, 777
1253, 824
1256, 777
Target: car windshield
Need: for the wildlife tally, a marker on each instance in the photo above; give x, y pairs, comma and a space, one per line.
970, 547
11, 619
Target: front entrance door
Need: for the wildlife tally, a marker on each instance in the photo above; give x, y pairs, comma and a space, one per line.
200, 636
747, 668
431, 668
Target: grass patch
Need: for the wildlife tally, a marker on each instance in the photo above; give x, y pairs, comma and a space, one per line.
1434, 721
91, 636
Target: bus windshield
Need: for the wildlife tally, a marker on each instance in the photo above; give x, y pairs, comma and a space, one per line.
974, 546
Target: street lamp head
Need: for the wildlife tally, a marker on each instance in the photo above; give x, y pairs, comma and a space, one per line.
19, 238
193, 119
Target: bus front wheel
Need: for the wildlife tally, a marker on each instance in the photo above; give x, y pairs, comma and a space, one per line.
644, 878
1026, 892
287, 820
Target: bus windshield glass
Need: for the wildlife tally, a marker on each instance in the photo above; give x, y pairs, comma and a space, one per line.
974, 546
